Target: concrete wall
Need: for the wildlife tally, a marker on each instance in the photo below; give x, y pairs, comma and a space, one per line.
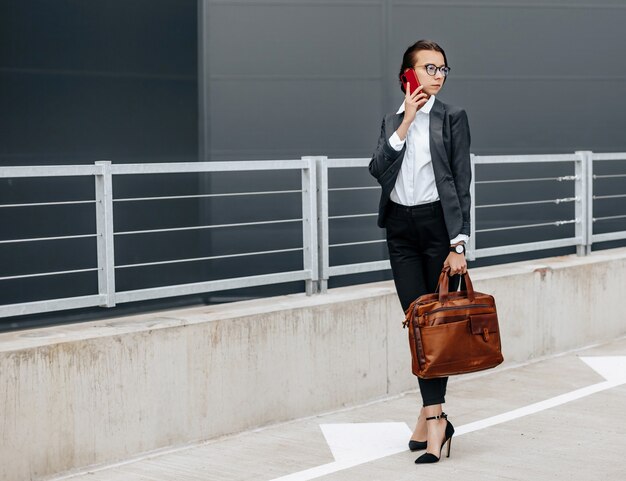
98, 392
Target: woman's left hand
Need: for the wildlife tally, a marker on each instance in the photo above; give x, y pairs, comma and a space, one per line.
457, 263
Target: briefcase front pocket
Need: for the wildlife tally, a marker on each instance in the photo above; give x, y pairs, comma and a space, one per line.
484, 325
452, 348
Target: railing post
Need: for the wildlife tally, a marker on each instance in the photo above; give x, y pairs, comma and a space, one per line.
589, 202
471, 245
584, 202
322, 221
309, 224
104, 228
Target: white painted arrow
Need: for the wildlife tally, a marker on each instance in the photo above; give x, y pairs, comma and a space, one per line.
611, 368
363, 442
353, 444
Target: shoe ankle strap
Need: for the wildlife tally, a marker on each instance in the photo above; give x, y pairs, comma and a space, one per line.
441, 416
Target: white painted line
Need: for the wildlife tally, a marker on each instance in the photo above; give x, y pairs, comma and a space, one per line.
319, 471
613, 369
534, 408
349, 442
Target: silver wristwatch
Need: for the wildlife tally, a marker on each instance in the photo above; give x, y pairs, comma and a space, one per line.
459, 248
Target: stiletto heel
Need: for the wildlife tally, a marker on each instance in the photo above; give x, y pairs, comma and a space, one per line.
431, 458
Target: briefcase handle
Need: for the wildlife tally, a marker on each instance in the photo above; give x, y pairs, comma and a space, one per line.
443, 285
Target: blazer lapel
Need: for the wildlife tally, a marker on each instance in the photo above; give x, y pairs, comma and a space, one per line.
437, 149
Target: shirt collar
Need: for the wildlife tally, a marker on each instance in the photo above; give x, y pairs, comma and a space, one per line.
425, 108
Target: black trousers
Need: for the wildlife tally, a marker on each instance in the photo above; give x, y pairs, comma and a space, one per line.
418, 244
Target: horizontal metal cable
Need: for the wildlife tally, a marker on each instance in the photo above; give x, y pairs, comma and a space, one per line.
615, 196
608, 176
156, 263
56, 273
354, 188
36, 204
552, 201
216, 226
36, 239
610, 217
196, 196
556, 223
531, 179
350, 216
377, 241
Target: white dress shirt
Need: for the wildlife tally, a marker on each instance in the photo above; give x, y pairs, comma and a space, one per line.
416, 180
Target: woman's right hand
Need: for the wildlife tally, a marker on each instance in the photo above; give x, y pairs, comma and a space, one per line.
413, 102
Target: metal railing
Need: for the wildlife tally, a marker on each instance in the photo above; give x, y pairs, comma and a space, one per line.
316, 222
590, 197
582, 215
107, 296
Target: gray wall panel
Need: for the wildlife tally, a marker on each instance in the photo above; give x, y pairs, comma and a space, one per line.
292, 80
542, 116
525, 76
115, 37
285, 119
83, 118
494, 41
529, 62
302, 40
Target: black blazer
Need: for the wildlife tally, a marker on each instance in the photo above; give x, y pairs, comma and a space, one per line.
450, 152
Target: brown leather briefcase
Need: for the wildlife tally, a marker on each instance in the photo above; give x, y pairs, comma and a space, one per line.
453, 332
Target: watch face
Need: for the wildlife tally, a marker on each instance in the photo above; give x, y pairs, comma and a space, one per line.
459, 249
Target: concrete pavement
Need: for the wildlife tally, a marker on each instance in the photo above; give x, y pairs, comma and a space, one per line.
580, 434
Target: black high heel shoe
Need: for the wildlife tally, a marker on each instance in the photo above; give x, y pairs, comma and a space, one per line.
419, 445
431, 458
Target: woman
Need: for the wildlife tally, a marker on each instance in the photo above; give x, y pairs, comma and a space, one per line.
422, 163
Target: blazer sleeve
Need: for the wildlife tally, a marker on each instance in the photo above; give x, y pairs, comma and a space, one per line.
461, 164
384, 156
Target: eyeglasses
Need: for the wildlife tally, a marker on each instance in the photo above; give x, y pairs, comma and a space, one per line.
432, 69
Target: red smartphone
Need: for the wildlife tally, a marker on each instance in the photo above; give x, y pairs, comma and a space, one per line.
409, 77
